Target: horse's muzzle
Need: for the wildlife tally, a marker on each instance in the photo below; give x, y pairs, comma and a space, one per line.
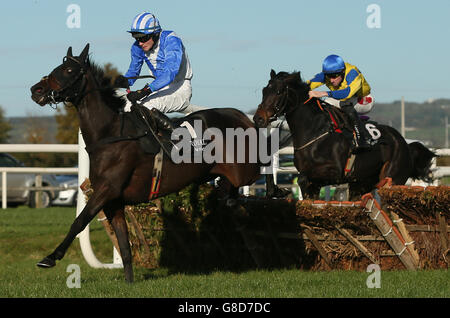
260, 122
39, 94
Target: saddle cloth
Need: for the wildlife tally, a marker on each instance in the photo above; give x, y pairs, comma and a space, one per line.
341, 124
148, 141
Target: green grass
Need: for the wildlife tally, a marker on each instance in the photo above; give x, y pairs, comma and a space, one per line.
445, 181
27, 235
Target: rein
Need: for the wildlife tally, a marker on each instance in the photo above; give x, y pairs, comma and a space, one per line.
312, 141
78, 96
317, 138
280, 109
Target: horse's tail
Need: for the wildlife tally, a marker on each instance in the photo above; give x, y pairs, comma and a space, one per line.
422, 159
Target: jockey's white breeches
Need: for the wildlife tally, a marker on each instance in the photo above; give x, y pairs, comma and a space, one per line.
174, 97
362, 106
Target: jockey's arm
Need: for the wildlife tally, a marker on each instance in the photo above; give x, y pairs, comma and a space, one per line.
316, 81
354, 83
166, 72
137, 59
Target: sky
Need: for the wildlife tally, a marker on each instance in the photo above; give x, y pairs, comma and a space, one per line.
401, 46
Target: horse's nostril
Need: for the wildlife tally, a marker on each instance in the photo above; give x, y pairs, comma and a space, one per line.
259, 121
37, 90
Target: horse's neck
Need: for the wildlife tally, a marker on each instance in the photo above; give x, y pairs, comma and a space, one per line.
304, 122
97, 120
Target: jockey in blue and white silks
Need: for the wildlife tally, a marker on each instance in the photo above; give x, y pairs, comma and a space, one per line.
164, 54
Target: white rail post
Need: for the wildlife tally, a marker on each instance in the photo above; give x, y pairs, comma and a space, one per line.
85, 242
38, 193
4, 184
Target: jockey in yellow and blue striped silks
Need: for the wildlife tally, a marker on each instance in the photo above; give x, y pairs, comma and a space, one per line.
353, 83
349, 91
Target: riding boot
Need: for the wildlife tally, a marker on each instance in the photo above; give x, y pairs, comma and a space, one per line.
162, 121
362, 141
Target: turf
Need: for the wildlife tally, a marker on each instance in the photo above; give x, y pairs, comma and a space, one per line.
27, 235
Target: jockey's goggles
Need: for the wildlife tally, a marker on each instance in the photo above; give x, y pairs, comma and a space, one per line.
333, 75
144, 38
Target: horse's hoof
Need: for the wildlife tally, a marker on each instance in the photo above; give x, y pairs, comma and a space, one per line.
279, 193
46, 263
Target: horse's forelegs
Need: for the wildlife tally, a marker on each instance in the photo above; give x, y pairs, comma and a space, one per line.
272, 190
309, 190
227, 192
94, 205
116, 217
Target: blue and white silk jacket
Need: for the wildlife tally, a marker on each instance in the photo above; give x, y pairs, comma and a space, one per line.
167, 61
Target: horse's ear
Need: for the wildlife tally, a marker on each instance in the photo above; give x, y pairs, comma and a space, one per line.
69, 51
272, 74
84, 53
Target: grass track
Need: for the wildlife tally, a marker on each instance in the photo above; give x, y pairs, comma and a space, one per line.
27, 235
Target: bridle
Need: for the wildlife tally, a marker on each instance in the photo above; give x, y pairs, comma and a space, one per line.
55, 95
280, 109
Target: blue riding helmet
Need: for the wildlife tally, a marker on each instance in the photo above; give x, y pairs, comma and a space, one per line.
145, 23
333, 64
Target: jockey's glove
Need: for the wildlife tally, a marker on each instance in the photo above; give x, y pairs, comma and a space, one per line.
121, 82
134, 96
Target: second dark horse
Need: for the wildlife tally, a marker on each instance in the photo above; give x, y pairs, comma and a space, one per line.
321, 156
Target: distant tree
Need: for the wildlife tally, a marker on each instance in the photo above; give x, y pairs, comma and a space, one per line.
111, 71
5, 127
67, 123
36, 133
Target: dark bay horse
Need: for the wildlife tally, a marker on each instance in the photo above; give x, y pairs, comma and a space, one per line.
321, 156
120, 172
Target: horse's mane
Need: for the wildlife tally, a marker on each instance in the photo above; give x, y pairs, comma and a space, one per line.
108, 92
294, 80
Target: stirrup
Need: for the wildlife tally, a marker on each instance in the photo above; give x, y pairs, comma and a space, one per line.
360, 143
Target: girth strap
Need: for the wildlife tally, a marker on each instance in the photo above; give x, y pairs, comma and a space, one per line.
112, 139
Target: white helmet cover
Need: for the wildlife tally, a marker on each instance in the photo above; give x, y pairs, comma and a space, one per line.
146, 23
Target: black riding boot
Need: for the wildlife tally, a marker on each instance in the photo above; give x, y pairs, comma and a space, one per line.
162, 121
362, 139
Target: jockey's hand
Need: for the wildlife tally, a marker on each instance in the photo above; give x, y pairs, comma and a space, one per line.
134, 96
317, 94
121, 82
